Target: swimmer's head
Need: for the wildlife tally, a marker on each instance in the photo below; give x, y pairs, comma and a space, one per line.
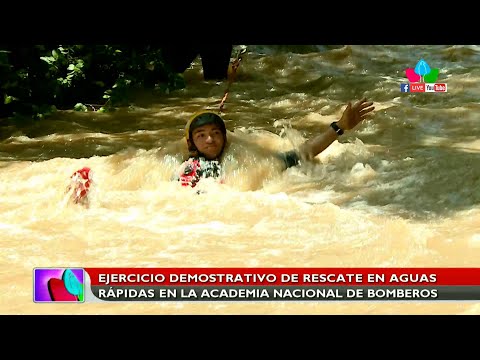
206, 135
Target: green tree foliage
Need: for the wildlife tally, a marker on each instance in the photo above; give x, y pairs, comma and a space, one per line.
39, 79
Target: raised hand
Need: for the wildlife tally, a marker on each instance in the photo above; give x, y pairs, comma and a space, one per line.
354, 114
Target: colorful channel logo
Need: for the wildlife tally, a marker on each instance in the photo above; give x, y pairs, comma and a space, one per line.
58, 285
422, 79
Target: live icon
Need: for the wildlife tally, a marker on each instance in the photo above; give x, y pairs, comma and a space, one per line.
417, 87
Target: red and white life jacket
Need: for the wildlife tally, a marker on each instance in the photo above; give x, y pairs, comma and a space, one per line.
81, 181
195, 169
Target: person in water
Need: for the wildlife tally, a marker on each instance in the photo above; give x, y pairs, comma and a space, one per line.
206, 137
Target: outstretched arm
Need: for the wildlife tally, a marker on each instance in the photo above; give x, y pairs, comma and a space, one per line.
351, 117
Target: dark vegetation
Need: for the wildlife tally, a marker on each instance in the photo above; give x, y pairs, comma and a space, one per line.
38, 80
